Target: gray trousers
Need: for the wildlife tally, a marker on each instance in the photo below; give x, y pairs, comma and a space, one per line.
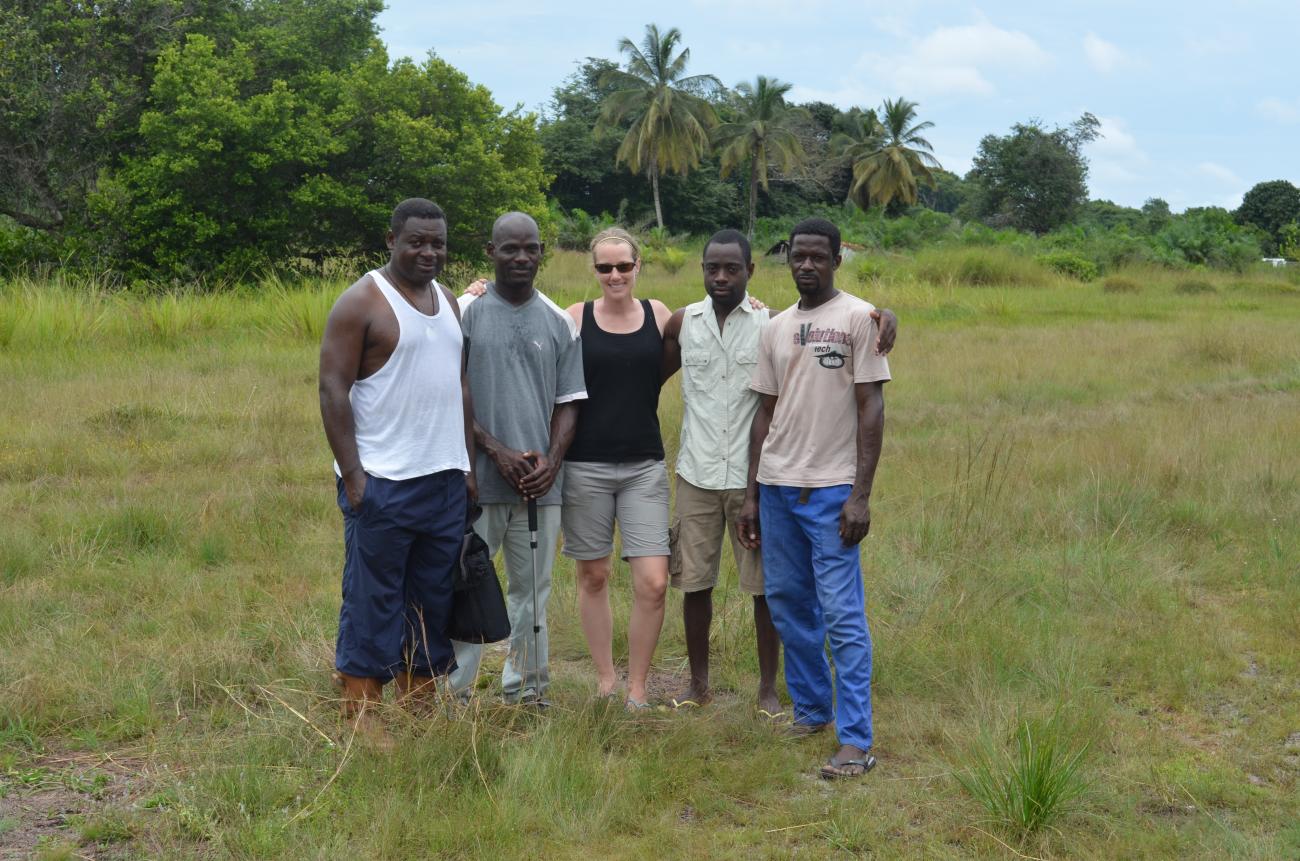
504, 527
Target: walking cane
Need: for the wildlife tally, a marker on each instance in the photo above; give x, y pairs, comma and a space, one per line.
532, 542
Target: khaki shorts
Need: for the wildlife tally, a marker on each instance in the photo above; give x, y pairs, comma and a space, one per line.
696, 539
597, 494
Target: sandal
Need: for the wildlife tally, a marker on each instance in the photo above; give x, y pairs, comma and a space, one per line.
842, 770
803, 730
683, 704
775, 717
634, 706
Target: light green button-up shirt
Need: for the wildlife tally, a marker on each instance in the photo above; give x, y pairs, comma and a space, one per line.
718, 403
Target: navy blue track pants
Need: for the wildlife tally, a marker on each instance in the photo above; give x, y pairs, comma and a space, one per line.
401, 546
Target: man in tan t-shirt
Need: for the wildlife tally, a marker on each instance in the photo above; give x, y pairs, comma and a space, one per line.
814, 446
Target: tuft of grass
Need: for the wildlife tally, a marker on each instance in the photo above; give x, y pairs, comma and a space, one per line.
172, 316
298, 313
1032, 786
1120, 284
1194, 287
981, 267
105, 828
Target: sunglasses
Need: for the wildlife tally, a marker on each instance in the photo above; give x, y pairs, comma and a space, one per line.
624, 268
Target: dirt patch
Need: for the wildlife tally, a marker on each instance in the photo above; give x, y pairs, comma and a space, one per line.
87, 801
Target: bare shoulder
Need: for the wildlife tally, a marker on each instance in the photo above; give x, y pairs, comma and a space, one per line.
662, 313
575, 313
356, 303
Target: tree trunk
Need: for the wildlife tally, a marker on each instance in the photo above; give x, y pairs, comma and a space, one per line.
654, 184
753, 193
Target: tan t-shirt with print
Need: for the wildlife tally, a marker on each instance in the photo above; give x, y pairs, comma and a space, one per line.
811, 360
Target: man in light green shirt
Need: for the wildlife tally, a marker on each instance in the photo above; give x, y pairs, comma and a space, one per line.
715, 343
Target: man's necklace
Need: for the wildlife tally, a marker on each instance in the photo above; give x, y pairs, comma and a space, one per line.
388, 273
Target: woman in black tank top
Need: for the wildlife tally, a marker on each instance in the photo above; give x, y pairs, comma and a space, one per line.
619, 422
614, 469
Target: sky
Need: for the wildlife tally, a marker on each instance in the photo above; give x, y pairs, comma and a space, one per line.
1198, 100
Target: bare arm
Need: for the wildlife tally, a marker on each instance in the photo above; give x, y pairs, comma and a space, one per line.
672, 361
855, 517
747, 524
466, 401
340, 361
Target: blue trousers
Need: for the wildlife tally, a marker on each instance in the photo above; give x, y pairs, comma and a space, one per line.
401, 546
814, 591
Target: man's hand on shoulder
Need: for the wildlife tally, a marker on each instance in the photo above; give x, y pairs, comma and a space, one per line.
887, 323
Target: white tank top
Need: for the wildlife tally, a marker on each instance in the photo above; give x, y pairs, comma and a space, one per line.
409, 417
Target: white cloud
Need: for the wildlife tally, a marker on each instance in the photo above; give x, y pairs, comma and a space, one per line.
1279, 110
979, 44
954, 61
1219, 43
1104, 56
1219, 173
1116, 162
1117, 143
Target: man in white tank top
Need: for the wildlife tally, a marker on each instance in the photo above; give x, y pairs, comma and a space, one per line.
396, 407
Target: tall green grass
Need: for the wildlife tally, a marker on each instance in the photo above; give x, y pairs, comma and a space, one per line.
1087, 503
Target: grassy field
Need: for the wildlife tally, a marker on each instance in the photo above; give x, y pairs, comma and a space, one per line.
1084, 552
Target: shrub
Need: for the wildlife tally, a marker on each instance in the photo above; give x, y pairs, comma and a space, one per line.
1069, 263
868, 270
1193, 286
576, 230
1120, 284
670, 259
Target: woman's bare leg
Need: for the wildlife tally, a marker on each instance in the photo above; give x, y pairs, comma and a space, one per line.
597, 621
649, 587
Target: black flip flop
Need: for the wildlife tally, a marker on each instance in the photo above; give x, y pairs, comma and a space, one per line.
832, 769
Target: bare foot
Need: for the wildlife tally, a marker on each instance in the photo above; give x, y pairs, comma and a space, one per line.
769, 703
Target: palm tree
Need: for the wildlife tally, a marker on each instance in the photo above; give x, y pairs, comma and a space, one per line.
670, 119
892, 161
761, 134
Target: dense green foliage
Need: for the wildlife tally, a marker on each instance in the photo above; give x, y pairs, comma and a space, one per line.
245, 135
1272, 207
1034, 178
201, 141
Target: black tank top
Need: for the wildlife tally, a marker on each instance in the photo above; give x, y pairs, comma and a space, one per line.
619, 420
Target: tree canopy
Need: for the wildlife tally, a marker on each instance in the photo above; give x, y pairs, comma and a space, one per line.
1034, 178
889, 156
670, 119
1270, 206
242, 134
763, 132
